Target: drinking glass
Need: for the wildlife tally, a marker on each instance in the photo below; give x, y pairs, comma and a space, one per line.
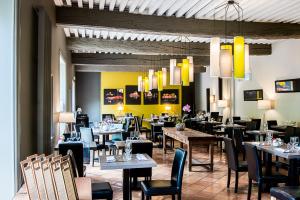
128, 150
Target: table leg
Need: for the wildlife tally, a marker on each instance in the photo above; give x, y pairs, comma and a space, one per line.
164, 143
211, 154
126, 185
268, 164
293, 178
103, 143
190, 162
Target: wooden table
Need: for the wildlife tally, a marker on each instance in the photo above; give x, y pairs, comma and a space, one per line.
83, 186
126, 166
293, 158
191, 138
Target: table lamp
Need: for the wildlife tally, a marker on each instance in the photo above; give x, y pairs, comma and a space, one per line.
66, 117
222, 103
264, 105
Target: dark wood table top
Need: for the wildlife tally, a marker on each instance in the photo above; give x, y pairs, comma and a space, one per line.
187, 134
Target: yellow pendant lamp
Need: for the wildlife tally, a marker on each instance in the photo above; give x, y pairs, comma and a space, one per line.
239, 57
159, 80
185, 72
146, 84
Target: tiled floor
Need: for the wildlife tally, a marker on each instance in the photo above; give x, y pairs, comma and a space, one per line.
198, 184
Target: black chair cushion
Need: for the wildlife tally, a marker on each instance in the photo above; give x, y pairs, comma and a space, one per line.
102, 191
286, 193
159, 187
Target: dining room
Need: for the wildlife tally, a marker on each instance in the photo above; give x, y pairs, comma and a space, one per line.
147, 99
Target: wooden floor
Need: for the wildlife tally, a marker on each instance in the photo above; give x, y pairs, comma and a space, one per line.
198, 184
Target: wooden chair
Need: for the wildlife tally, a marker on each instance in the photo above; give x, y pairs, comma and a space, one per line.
59, 180
49, 184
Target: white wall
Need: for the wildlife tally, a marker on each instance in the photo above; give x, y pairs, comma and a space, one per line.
8, 99
284, 63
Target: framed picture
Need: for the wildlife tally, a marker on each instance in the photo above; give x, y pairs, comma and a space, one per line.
113, 96
253, 95
286, 86
169, 96
133, 96
151, 97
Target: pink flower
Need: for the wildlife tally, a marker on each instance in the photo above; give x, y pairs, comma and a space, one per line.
186, 108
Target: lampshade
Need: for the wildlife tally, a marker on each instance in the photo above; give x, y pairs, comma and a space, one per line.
226, 61
140, 83
239, 57
177, 74
172, 71
212, 98
120, 108
66, 117
154, 81
222, 103
164, 76
247, 63
167, 108
146, 84
185, 75
159, 80
263, 104
215, 57
191, 69
150, 77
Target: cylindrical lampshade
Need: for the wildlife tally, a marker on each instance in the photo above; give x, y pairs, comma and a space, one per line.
222, 103
226, 61
247, 63
172, 71
185, 75
66, 117
239, 57
154, 81
164, 76
140, 83
263, 104
177, 74
159, 81
146, 84
191, 69
215, 57
150, 74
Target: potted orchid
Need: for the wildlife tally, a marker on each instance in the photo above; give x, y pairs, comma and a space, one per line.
186, 110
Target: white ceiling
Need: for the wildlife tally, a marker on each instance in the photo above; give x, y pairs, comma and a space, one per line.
286, 11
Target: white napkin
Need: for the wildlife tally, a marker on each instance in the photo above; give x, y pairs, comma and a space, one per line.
110, 159
283, 150
141, 157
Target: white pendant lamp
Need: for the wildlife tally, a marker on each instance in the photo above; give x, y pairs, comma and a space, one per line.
215, 57
172, 71
226, 61
154, 82
177, 75
164, 76
247, 63
140, 83
191, 68
150, 79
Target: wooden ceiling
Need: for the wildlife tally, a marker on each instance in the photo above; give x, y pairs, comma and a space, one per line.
159, 27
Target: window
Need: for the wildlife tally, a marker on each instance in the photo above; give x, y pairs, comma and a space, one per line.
62, 83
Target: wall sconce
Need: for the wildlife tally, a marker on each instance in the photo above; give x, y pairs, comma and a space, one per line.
212, 98
167, 108
120, 108
222, 103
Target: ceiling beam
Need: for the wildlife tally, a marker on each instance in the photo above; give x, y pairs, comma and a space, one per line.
151, 48
131, 62
84, 17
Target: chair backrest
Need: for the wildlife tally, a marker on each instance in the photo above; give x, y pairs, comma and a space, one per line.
137, 123
117, 137
169, 124
59, 180
108, 116
178, 166
220, 118
141, 121
251, 125
258, 123
290, 131
74, 164
231, 154
254, 163
77, 150
82, 119
49, 182
214, 115
271, 123
235, 118
238, 140
87, 135
142, 147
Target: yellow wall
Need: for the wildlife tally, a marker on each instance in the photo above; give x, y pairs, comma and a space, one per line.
118, 80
